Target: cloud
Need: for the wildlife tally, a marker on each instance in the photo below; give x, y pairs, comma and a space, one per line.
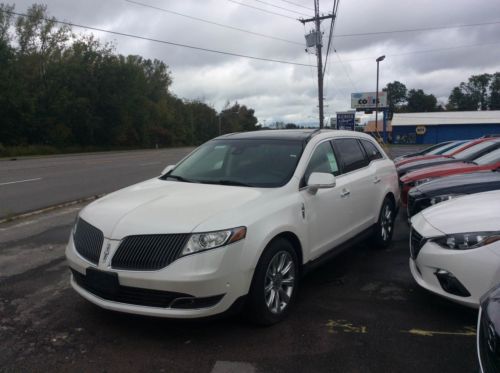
286, 92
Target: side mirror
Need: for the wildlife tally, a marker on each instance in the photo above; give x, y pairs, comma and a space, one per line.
320, 180
168, 169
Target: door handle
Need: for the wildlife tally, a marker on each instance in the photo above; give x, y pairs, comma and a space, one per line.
376, 180
345, 193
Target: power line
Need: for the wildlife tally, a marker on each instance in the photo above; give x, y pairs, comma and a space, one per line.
161, 41
262, 10
282, 8
297, 4
345, 69
418, 29
214, 23
428, 51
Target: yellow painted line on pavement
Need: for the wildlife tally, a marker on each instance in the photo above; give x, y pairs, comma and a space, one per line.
469, 331
334, 326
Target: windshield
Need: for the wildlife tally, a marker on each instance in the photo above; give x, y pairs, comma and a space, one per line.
473, 150
432, 149
452, 148
492, 157
249, 162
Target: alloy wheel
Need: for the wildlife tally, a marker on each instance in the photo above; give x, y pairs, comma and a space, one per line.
280, 282
386, 222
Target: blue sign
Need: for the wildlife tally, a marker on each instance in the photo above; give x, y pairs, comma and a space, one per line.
345, 121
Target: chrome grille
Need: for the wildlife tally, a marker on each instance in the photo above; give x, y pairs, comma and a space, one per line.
416, 243
88, 241
148, 252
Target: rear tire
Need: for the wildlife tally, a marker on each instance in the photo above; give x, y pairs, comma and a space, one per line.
274, 284
384, 228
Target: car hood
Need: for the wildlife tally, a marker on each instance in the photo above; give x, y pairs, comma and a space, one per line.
472, 213
417, 158
468, 183
441, 170
160, 206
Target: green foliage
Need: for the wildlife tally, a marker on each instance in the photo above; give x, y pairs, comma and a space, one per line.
480, 92
59, 90
419, 101
396, 95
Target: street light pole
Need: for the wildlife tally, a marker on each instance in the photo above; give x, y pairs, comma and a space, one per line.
381, 58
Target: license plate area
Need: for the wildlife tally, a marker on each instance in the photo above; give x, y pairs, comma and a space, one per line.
103, 282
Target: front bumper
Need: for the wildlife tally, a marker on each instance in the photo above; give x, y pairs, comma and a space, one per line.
476, 269
214, 272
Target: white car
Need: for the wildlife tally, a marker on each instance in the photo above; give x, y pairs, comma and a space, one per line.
236, 221
455, 247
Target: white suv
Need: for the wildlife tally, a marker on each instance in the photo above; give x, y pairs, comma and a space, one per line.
235, 222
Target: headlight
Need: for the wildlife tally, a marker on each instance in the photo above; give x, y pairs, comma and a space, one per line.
422, 181
445, 197
211, 240
465, 241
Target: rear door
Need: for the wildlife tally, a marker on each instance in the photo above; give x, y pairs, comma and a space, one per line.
358, 180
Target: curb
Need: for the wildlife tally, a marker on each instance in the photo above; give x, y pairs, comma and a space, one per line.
50, 208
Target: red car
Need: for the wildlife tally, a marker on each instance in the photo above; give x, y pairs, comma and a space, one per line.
450, 152
488, 162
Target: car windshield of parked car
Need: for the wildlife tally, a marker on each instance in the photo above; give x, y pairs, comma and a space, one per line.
449, 148
473, 150
248, 162
492, 157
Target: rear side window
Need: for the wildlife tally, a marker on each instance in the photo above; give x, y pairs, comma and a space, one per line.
371, 150
322, 160
351, 153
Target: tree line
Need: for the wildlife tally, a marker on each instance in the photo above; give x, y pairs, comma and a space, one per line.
480, 92
64, 90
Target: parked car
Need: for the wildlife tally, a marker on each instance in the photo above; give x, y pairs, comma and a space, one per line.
236, 221
455, 247
428, 150
464, 154
449, 187
436, 153
488, 332
487, 162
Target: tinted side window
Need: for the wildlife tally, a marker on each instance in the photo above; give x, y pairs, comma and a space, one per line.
351, 153
371, 150
322, 160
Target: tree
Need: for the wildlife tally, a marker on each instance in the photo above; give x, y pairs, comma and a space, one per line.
396, 95
418, 101
476, 94
494, 99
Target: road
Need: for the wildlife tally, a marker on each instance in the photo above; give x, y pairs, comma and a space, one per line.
360, 312
28, 184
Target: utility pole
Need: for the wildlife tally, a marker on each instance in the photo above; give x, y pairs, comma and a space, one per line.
318, 43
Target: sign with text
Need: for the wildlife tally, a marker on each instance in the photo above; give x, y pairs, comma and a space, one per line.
346, 120
366, 100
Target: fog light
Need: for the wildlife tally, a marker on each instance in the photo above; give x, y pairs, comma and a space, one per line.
450, 283
195, 303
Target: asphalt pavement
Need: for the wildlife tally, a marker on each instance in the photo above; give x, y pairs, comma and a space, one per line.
32, 183
360, 312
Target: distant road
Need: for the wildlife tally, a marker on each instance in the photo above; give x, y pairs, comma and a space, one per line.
29, 184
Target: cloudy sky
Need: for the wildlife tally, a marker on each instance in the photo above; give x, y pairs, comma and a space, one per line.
434, 60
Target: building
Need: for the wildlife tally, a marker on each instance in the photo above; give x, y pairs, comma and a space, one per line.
376, 131
431, 128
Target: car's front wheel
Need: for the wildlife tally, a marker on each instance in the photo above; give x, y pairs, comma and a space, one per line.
384, 228
274, 284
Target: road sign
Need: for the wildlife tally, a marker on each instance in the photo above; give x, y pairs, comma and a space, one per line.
366, 100
346, 120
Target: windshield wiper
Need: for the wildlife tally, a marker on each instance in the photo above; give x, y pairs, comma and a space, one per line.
179, 178
225, 182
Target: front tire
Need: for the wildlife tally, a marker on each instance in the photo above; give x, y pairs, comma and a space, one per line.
384, 228
274, 284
